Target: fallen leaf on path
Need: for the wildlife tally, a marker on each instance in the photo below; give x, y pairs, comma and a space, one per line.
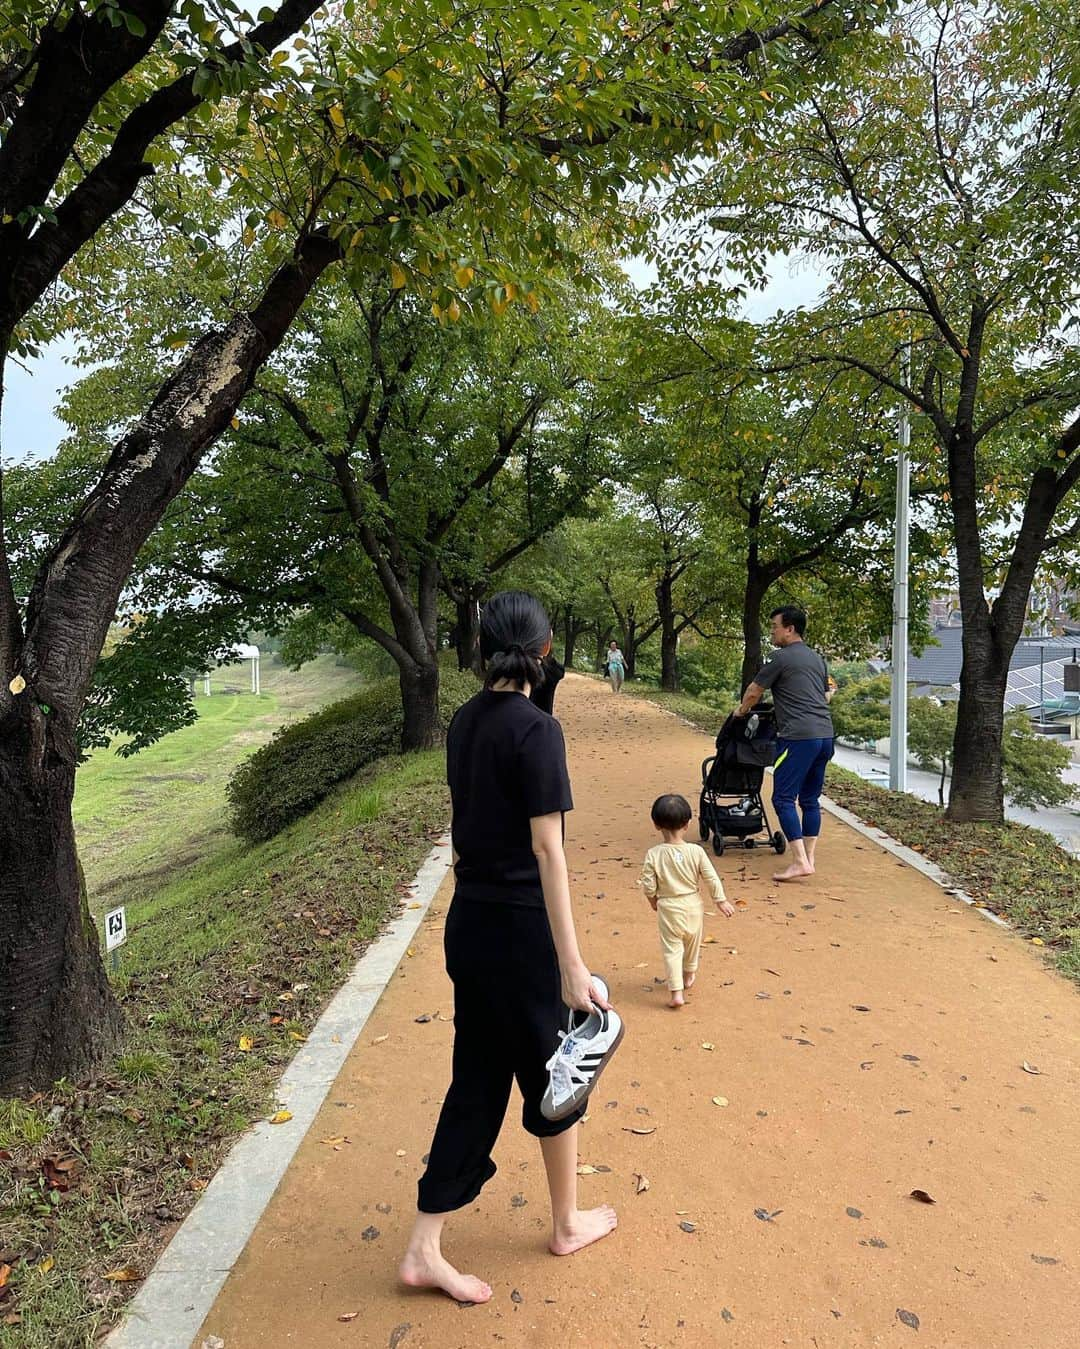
586, 1170
1044, 1259
858, 1007
422, 1020
708, 941
46, 1265
295, 1035
246, 1044
923, 1197
853, 1212
707, 1044
516, 1297
398, 1334
1030, 1068
369, 1234
641, 1184
776, 972
379, 1039
348, 1316
765, 1215
125, 1275
1037, 941
518, 1201
282, 1117
5, 1274
641, 1132
688, 1226
400, 1152
335, 1141
411, 951
908, 1318
213, 1342
740, 904
719, 1100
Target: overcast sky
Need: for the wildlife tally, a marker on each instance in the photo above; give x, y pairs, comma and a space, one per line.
30, 426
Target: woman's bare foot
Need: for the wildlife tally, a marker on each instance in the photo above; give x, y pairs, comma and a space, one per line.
586, 1226
677, 1001
795, 872
688, 978
430, 1269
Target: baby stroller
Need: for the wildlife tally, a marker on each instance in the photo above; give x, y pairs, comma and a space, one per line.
745, 747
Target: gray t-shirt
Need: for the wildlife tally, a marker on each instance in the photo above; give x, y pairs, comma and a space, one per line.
799, 678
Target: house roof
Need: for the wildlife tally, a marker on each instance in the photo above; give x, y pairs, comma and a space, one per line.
939, 664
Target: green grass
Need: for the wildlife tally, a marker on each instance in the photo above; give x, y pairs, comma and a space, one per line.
141, 819
1016, 871
225, 941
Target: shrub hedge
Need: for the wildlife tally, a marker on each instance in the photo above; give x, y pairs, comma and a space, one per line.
298, 768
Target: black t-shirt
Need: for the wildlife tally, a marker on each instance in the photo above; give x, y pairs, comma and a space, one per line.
506, 764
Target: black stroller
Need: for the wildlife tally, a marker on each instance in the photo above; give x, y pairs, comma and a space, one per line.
745, 747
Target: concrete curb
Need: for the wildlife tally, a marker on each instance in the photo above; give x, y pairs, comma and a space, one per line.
179, 1291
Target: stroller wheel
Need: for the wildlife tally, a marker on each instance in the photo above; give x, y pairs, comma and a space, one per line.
703, 828
779, 842
748, 843
718, 845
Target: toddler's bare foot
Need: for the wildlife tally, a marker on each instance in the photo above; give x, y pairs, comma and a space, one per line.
796, 871
586, 1226
688, 979
677, 1001
430, 1269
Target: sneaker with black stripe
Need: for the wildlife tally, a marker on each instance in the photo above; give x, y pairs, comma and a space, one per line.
585, 1049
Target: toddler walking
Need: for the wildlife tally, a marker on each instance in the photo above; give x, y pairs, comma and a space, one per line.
670, 879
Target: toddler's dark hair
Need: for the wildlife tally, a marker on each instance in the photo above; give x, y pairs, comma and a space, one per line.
514, 630
671, 812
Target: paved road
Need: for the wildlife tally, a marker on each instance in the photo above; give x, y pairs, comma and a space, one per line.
1062, 823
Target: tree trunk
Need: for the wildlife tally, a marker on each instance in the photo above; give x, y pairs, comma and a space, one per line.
753, 655
57, 1015
422, 727
572, 630
941, 784
976, 792
669, 638
603, 636
467, 634
631, 646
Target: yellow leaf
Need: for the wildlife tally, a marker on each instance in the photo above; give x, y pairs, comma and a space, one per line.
17, 684
46, 1265
125, 1275
454, 311
463, 275
295, 1035
282, 1117
1037, 941
398, 275
337, 117
719, 1100
533, 302
411, 951
246, 1044
5, 1273
706, 1044
235, 423
278, 219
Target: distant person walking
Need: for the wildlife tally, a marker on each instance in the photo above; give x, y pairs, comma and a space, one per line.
801, 689
616, 667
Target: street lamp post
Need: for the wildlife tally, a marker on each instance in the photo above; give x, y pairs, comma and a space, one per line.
898, 703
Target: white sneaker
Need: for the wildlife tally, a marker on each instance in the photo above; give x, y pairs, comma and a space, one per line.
585, 1049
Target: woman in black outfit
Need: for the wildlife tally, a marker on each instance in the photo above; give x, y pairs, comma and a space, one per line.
511, 948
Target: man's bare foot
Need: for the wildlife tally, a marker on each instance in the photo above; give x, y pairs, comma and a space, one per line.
795, 872
688, 978
587, 1226
430, 1269
677, 1001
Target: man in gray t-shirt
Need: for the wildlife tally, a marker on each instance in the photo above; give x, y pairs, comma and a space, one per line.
801, 689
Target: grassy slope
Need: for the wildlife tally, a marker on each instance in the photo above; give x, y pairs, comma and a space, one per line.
1018, 872
140, 819
244, 942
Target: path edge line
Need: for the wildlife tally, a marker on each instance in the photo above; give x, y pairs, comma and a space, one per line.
187, 1277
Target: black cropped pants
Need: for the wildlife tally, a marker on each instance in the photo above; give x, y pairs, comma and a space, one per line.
508, 1012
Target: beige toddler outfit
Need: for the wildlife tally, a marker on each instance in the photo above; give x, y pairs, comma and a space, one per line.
671, 875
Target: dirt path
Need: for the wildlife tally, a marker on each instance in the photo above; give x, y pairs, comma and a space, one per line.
868, 1037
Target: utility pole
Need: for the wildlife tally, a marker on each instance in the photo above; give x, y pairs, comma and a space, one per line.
898, 703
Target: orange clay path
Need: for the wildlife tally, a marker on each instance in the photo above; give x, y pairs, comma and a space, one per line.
866, 1045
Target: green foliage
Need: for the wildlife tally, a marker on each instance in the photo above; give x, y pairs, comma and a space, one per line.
284, 780
860, 708
1032, 764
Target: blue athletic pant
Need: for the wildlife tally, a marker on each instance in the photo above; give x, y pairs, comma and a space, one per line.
799, 773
